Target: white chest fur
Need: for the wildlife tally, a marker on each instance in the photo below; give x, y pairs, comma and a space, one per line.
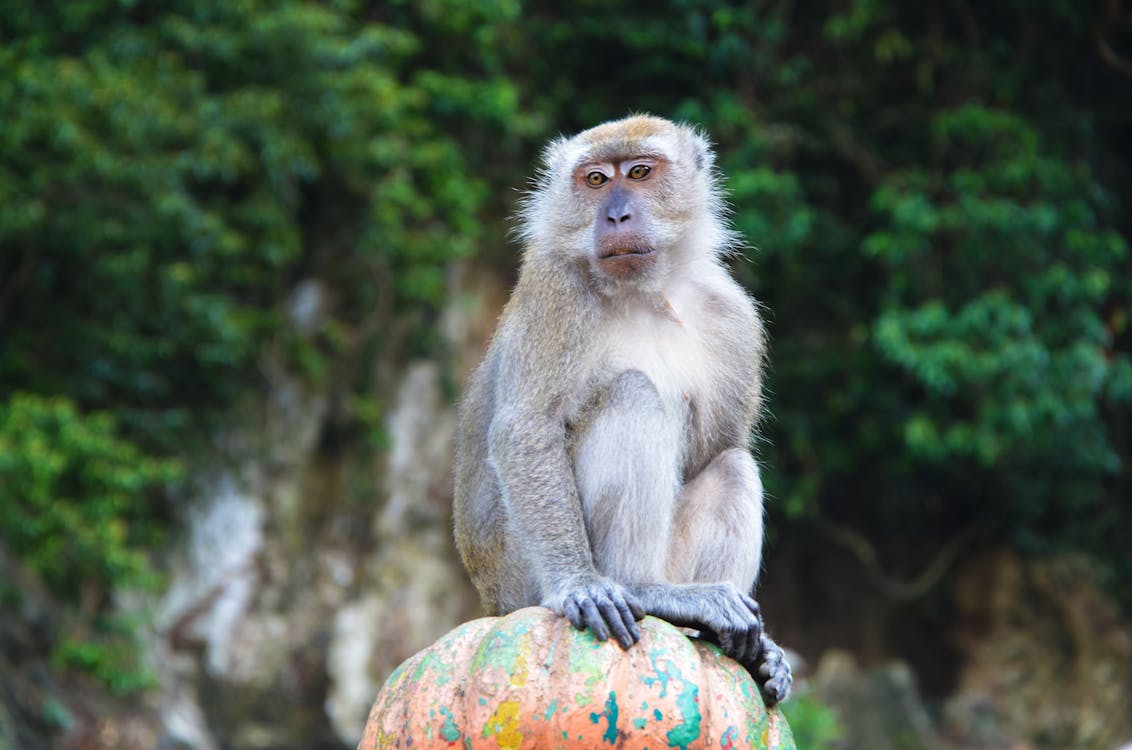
666, 342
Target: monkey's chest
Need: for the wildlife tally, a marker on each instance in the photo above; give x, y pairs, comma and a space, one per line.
675, 358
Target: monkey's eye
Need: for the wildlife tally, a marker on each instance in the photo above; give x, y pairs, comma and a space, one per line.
639, 172
596, 179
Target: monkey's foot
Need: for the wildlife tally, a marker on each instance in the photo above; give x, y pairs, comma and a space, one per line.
772, 672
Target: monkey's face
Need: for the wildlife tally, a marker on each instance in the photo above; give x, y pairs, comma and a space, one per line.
625, 239
631, 200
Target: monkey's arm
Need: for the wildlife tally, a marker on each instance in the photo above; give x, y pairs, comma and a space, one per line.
528, 452
537, 363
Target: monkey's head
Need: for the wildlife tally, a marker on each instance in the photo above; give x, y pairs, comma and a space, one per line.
629, 201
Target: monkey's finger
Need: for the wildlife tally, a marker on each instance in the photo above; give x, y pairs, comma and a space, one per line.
738, 640
757, 629
573, 614
613, 616
593, 618
752, 606
624, 609
751, 644
769, 650
777, 689
744, 621
635, 607
773, 692
772, 661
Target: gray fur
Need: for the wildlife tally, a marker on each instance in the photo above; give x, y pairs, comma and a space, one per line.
602, 462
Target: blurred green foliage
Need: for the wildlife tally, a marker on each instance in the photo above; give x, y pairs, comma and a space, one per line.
74, 504
168, 175
813, 724
937, 196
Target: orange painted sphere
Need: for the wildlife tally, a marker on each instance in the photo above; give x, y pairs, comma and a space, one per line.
530, 680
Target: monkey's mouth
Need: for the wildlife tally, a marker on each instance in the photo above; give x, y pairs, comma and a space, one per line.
617, 251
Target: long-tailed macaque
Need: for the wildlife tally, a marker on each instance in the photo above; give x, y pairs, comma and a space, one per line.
603, 468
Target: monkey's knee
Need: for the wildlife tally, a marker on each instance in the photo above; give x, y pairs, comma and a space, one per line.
737, 470
721, 510
630, 407
633, 389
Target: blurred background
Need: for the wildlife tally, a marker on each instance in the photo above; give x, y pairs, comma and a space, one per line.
250, 250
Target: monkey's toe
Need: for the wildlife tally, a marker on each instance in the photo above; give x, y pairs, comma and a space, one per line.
772, 673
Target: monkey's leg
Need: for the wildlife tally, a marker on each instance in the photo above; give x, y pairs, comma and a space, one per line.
720, 523
626, 466
713, 557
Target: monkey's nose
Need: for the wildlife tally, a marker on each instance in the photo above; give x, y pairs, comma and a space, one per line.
619, 207
619, 213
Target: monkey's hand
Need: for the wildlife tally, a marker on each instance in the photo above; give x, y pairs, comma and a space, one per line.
732, 617
602, 605
772, 672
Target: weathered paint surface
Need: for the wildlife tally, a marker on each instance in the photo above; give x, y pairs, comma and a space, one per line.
529, 680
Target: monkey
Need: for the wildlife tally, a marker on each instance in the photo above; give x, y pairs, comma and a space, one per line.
602, 462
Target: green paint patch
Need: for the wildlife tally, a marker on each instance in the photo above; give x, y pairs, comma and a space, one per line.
610, 713
687, 703
398, 673
661, 675
550, 710
689, 729
428, 662
501, 648
656, 712
449, 730
640, 723
585, 658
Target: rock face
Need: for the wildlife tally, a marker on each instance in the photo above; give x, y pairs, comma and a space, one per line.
1048, 660
305, 575
530, 680
878, 707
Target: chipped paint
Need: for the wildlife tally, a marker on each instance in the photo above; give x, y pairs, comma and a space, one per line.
449, 730
529, 680
551, 710
610, 714
504, 726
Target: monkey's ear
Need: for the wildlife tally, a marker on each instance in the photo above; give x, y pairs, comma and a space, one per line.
702, 155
